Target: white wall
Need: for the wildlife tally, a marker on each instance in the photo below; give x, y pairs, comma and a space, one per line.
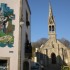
4, 52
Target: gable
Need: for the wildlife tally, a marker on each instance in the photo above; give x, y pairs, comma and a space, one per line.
53, 45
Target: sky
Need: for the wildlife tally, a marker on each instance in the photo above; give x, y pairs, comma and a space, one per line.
39, 18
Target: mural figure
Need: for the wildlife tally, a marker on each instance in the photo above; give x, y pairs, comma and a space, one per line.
6, 26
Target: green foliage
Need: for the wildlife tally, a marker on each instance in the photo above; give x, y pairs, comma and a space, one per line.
65, 68
39, 42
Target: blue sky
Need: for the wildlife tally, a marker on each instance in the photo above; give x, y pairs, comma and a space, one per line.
39, 18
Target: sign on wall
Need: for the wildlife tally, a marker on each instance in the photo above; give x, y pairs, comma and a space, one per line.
6, 26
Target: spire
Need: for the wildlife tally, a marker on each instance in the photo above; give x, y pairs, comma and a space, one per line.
51, 13
50, 8
51, 24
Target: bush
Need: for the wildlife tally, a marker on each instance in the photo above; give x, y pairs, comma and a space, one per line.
65, 68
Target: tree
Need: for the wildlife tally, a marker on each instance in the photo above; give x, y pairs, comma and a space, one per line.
39, 42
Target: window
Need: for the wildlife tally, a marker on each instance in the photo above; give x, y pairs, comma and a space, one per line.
26, 16
26, 36
63, 53
28, 48
27, 21
49, 28
46, 52
52, 27
3, 64
27, 44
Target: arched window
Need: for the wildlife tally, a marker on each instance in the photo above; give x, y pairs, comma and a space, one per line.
49, 28
52, 27
53, 58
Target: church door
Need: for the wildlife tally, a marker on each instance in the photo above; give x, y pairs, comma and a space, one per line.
53, 58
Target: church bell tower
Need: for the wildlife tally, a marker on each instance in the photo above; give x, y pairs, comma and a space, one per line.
51, 25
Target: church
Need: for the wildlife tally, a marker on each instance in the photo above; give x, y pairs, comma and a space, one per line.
15, 37
53, 54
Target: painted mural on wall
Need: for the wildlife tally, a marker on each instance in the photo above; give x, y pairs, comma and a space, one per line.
6, 26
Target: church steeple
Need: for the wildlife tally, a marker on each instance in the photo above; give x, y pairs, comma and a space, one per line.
51, 24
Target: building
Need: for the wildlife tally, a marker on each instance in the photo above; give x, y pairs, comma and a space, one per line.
15, 37
53, 54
